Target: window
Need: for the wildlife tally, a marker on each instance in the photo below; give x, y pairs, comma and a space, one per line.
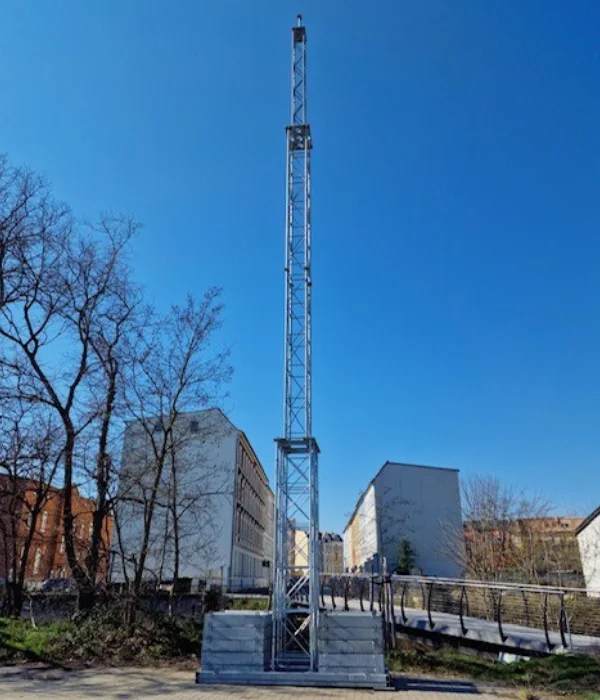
62, 544
37, 561
194, 426
44, 522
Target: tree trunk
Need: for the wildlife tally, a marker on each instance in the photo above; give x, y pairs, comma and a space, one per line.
176, 552
85, 587
14, 601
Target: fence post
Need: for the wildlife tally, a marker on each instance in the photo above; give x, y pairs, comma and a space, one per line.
431, 622
526, 607
389, 587
503, 638
371, 592
362, 590
562, 621
392, 611
547, 633
404, 618
463, 595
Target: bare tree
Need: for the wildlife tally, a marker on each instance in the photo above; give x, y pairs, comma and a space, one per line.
501, 533
64, 301
173, 369
28, 466
395, 527
77, 342
33, 227
114, 317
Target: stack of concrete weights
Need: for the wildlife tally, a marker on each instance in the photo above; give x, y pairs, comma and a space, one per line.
351, 645
236, 641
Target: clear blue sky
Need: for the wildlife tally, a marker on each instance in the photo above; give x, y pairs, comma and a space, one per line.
456, 209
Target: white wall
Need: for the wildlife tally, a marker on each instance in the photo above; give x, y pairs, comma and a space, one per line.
206, 464
420, 504
589, 549
347, 548
367, 526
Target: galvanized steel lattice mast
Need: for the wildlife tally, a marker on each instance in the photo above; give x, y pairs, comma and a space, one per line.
296, 574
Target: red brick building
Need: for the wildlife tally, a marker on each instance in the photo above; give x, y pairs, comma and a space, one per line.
47, 557
544, 545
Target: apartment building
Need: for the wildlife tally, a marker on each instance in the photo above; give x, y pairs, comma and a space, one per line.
47, 557
417, 503
225, 521
588, 540
530, 550
252, 547
331, 552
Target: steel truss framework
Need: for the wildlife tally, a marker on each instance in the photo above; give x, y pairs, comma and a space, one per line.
296, 572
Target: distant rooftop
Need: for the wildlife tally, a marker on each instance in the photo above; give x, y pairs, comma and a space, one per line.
331, 537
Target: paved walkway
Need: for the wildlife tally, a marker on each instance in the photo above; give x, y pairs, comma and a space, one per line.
162, 684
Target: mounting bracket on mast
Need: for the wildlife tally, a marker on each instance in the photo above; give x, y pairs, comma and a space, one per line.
299, 138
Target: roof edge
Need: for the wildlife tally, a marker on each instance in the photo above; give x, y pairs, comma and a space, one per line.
588, 521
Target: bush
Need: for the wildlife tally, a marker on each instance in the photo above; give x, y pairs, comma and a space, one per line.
101, 638
213, 600
104, 638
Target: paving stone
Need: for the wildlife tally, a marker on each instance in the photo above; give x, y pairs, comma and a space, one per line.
166, 684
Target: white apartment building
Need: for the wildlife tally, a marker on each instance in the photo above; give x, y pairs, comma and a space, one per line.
406, 502
216, 490
588, 539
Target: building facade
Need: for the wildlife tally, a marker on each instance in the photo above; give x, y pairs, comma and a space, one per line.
46, 557
252, 547
588, 540
332, 553
220, 502
419, 504
526, 550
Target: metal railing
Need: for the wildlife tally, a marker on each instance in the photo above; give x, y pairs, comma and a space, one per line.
554, 610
